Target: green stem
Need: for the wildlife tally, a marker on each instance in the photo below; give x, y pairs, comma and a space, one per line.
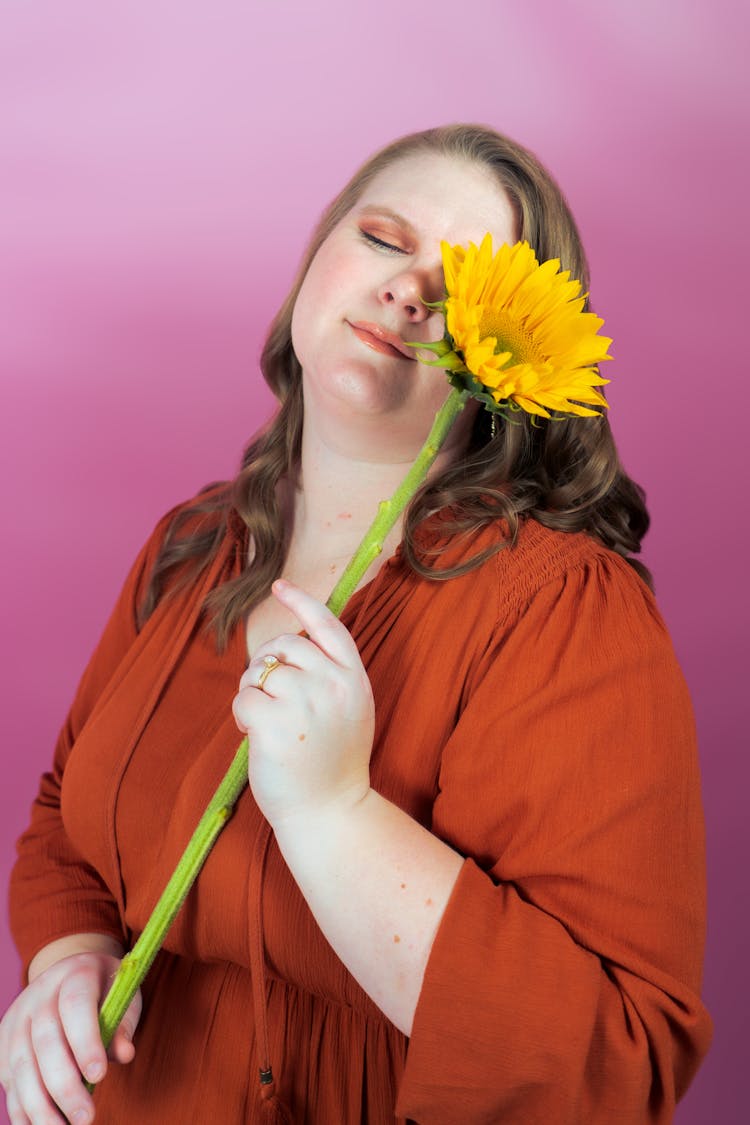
390, 510
138, 961
135, 965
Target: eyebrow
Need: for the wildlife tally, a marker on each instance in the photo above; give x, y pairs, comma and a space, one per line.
390, 214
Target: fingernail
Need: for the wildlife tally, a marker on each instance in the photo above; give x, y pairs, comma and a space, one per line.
94, 1072
81, 1117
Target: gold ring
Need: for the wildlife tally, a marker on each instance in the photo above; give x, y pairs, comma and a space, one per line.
270, 662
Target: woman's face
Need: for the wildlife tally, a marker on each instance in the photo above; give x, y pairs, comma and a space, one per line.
362, 296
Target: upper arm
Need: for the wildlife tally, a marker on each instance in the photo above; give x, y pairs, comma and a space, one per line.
571, 949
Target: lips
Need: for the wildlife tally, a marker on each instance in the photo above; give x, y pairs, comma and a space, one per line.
381, 340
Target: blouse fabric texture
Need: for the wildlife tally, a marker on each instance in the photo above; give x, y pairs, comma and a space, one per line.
532, 714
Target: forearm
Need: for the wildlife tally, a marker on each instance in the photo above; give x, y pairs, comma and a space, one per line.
377, 883
67, 946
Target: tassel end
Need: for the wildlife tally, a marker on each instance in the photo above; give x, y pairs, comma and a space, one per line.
273, 1110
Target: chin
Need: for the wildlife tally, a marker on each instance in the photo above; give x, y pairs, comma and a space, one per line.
355, 389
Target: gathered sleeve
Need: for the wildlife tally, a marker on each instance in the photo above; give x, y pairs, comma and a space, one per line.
563, 983
53, 892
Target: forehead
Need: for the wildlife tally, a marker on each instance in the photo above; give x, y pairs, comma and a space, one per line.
443, 197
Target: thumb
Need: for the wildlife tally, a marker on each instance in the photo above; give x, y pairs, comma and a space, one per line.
121, 1049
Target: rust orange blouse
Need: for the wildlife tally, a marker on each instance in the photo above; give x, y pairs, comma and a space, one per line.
533, 715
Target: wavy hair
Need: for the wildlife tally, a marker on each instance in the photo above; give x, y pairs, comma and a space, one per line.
564, 473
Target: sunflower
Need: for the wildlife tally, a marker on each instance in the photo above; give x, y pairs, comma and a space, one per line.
517, 337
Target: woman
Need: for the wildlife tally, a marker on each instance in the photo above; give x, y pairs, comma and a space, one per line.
466, 883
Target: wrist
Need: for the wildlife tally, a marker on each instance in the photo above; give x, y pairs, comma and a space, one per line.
324, 820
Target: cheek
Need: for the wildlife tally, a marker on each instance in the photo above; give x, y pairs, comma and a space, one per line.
298, 327
318, 302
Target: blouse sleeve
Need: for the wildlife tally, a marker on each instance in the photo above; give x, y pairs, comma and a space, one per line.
563, 983
53, 892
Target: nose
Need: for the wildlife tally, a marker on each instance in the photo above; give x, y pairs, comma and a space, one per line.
408, 290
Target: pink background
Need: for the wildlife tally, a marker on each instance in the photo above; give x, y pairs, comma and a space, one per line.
160, 170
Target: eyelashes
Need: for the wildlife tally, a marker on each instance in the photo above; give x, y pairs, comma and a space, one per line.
372, 240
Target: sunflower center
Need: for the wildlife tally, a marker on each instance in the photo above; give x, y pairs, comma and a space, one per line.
511, 336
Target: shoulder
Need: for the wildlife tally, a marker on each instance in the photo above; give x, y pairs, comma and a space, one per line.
564, 590
546, 599
538, 561
578, 640
543, 558
577, 603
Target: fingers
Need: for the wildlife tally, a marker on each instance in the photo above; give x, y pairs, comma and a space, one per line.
275, 665
275, 684
326, 652
50, 1037
121, 1049
16, 1115
59, 1075
29, 1094
78, 1006
289, 649
325, 639
322, 626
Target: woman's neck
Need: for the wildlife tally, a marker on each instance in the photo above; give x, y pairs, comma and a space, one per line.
334, 502
342, 482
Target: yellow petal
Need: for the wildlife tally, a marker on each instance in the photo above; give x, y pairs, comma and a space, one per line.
522, 329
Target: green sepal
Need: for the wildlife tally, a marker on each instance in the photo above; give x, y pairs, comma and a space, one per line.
439, 305
463, 380
450, 363
438, 347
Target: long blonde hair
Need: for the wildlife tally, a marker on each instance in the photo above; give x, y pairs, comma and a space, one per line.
566, 475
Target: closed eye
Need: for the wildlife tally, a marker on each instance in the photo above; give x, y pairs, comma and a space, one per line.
379, 242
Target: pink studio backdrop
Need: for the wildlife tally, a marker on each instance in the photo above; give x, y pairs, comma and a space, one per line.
160, 170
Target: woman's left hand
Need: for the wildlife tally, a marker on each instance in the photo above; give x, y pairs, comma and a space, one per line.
310, 727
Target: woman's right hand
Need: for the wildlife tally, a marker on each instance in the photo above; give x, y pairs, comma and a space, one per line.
49, 1038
